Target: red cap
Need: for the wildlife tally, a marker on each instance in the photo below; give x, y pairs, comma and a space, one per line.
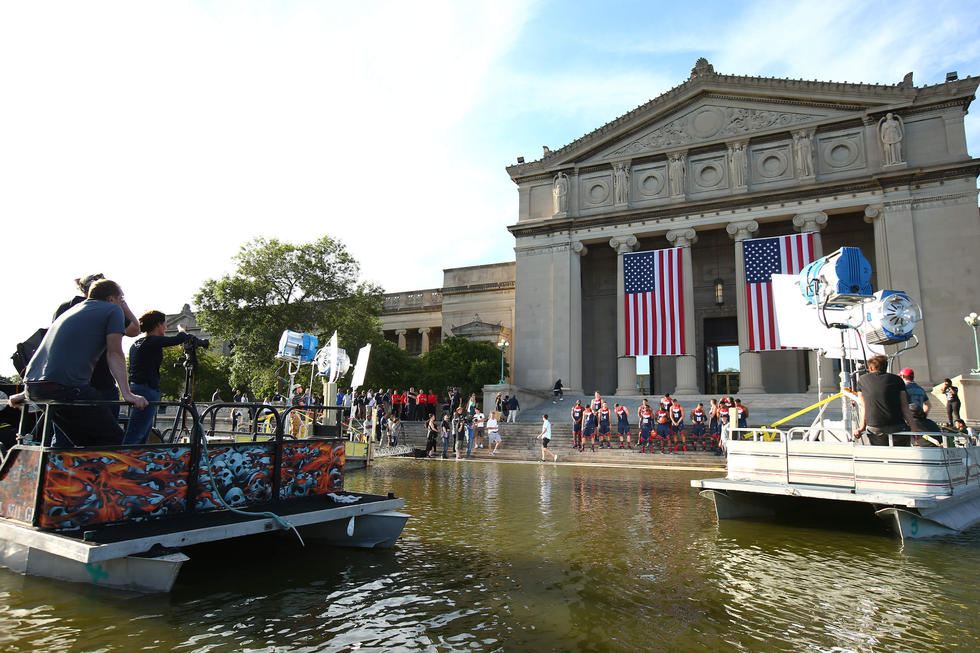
907, 371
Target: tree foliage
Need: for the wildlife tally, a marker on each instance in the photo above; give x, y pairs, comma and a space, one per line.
460, 363
309, 288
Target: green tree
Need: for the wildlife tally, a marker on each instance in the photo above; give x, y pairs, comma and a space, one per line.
390, 367
460, 362
310, 288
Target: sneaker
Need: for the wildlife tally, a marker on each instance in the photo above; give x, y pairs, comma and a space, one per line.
491, 453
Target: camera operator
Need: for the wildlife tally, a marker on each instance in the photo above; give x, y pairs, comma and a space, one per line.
145, 357
61, 369
101, 376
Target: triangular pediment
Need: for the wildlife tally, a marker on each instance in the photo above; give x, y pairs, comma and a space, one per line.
711, 120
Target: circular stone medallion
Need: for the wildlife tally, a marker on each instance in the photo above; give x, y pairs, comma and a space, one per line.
710, 175
651, 185
772, 165
707, 122
840, 154
598, 193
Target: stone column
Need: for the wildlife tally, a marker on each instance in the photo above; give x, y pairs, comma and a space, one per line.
625, 366
687, 366
812, 223
875, 215
401, 338
425, 339
574, 383
750, 363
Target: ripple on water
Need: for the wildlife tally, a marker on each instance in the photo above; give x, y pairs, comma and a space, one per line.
523, 557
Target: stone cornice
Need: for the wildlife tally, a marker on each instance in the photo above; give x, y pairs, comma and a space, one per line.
668, 214
839, 95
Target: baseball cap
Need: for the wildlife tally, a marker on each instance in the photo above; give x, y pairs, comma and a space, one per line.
907, 371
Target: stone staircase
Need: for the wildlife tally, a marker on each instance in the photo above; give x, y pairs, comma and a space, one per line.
520, 442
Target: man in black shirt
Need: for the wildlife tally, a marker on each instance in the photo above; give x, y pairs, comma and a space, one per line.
884, 405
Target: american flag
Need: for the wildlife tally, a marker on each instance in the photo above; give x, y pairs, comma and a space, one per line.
765, 257
653, 288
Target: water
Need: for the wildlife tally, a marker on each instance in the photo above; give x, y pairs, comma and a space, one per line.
534, 557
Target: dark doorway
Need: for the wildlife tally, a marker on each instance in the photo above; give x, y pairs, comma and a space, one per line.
721, 375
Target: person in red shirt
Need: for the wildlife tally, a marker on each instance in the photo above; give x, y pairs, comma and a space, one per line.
421, 404
396, 404
432, 402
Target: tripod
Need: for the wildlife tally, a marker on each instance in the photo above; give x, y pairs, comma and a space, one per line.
189, 362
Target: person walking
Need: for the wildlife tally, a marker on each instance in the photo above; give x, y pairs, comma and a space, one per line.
545, 437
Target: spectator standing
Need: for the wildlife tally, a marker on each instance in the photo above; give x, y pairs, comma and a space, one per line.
432, 403
455, 400
952, 401
394, 430
471, 405
421, 406
410, 407
459, 431
216, 397
493, 433
512, 408
916, 393
505, 407
545, 437
446, 428
431, 433
479, 421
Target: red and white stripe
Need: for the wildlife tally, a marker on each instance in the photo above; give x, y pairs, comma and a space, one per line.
654, 321
795, 253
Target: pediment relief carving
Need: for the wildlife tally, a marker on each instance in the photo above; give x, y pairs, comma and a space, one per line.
712, 121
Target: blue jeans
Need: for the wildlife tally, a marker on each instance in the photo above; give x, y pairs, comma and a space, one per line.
140, 421
469, 441
445, 445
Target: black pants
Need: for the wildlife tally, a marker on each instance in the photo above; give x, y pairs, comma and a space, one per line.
81, 426
953, 411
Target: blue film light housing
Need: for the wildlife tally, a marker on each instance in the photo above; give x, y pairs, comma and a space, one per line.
890, 317
297, 347
837, 280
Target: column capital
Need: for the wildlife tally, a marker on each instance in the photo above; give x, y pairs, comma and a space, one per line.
810, 222
578, 247
401, 332
623, 244
682, 237
873, 212
740, 231
425, 330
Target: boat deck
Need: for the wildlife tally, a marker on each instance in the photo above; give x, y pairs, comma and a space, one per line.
115, 541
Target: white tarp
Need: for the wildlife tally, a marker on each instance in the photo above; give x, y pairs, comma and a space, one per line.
798, 323
360, 368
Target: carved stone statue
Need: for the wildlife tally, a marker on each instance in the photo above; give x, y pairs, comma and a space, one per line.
675, 173
560, 192
737, 164
891, 132
622, 177
803, 153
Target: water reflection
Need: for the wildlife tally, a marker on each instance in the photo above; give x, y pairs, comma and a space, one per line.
534, 557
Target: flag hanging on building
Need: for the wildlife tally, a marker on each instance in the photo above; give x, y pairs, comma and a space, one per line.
765, 257
654, 295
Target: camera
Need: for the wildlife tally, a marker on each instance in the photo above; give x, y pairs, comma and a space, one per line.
193, 342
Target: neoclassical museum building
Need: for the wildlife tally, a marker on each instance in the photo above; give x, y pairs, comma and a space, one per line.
713, 162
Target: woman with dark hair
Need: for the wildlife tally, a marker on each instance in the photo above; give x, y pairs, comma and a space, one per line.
952, 401
145, 357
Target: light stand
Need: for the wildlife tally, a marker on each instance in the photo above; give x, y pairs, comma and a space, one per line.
974, 321
503, 353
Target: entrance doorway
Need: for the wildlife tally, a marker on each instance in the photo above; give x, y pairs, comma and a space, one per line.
721, 361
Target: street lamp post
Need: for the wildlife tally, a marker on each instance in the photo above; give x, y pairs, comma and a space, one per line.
503, 351
974, 321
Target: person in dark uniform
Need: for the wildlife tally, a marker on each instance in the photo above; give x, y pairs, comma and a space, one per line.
604, 426
884, 405
588, 427
623, 425
578, 410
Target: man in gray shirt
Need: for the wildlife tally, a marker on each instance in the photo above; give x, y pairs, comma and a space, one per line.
61, 369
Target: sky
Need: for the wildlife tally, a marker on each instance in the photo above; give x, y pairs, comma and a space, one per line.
150, 141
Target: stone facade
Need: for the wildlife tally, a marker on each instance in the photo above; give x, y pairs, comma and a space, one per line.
722, 158
474, 302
